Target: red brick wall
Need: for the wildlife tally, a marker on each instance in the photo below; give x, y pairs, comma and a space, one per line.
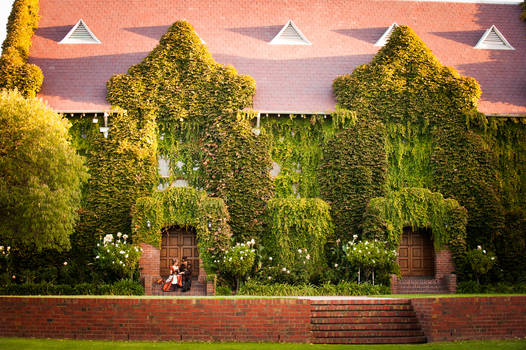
447, 319
286, 320
149, 265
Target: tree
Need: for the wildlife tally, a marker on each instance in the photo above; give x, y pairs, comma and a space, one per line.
40, 175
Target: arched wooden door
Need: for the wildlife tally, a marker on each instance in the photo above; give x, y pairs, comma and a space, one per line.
416, 253
178, 242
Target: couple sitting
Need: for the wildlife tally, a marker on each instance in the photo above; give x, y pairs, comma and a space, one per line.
180, 276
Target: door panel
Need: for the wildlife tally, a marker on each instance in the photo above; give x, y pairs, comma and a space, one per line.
177, 242
416, 253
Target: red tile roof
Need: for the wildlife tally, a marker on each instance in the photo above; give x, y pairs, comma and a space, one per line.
288, 78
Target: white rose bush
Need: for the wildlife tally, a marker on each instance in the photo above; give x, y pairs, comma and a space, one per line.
371, 256
117, 256
238, 261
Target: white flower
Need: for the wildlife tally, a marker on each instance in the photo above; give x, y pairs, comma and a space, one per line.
8, 248
288, 271
242, 244
252, 241
241, 258
122, 252
98, 244
354, 237
270, 258
97, 257
299, 251
253, 250
479, 247
126, 256
492, 258
373, 261
359, 251
119, 234
229, 259
284, 269
136, 249
125, 237
307, 257
366, 242
484, 251
108, 238
65, 263
335, 265
107, 250
269, 277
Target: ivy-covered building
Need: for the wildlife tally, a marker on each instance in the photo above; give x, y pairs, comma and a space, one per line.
358, 103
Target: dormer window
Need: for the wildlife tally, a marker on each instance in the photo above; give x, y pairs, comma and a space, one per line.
290, 35
493, 40
80, 34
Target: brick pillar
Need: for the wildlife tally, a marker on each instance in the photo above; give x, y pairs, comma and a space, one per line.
443, 263
395, 288
149, 266
211, 285
450, 283
202, 273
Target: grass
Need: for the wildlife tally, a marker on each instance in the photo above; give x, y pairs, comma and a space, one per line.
44, 344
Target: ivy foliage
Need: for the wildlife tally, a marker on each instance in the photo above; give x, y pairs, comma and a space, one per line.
386, 217
427, 108
15, 72
40, 175
195, 102
296, 149
297, 225
188, 207
237, 169
354, 170
122, 168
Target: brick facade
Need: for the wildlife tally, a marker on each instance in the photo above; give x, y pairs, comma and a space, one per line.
149, 266
448, 319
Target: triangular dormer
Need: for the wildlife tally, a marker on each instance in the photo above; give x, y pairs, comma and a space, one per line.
386, 35
290, 35
493, 40
80, 34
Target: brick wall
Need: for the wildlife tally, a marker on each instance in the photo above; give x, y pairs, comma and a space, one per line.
286, 320
447, 319
443, 263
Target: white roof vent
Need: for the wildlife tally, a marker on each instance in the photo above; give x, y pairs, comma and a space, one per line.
493, 40
387, 34
290, 35
80, 34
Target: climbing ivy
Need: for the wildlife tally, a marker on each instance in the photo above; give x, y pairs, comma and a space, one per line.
184, 206
122, 168
354, 170
237, 169
386, 217
15, 72
428, 108
297, 225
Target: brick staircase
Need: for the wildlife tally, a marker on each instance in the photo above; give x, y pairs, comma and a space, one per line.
364, 321
414, 285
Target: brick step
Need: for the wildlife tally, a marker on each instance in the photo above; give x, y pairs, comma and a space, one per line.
392, 340
365, 326
368, 334
372, 313
423, 291
362, 307
362, 320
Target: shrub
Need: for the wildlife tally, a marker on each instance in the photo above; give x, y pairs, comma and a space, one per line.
15, 73
238, 261
343, 288
40, 175
481, 261
370, 257
223, 290
117, 256
122, 287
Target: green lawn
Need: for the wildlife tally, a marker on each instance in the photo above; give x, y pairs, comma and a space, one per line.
24, 343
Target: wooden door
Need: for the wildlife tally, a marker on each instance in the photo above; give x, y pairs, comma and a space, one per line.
178, 242
416, 253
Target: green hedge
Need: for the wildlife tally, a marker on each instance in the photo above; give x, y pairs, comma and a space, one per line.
123, 287
14, 71
343, 288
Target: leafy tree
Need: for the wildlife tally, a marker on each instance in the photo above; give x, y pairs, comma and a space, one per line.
40, 175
